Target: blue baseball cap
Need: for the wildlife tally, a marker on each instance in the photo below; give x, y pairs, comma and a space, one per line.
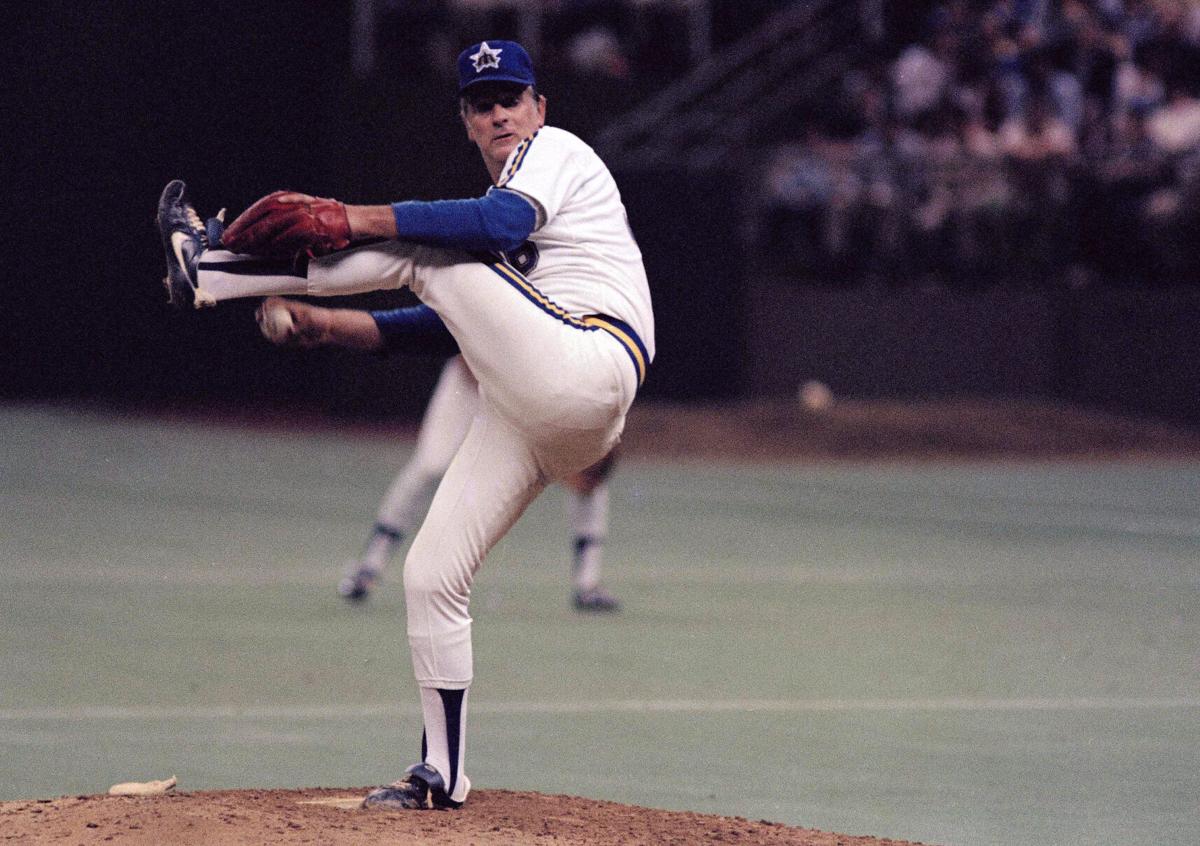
494, 61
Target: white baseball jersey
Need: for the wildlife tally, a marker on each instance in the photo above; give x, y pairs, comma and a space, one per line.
585, 259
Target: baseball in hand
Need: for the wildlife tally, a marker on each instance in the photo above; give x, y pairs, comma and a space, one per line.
276, 323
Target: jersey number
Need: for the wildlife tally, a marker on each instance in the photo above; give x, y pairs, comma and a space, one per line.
524, 258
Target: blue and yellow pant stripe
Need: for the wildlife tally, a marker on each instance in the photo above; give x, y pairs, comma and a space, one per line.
619, 329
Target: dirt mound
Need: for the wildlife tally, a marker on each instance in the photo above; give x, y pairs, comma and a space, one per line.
331, 816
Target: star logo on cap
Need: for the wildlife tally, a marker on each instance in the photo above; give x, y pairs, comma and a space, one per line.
487, 57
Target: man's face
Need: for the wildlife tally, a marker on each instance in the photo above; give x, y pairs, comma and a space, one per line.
499, 116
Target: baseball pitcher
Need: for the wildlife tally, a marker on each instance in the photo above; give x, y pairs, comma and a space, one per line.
540, 284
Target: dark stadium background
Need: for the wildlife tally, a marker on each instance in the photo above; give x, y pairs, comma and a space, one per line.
107, 102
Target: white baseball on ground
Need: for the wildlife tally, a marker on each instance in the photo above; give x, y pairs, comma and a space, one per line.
276, 323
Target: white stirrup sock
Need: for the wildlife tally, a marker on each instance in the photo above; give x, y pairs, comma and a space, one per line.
381, 545
588, 518
444, 745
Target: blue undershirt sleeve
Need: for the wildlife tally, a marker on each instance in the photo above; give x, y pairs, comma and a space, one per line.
500, 220
417, 329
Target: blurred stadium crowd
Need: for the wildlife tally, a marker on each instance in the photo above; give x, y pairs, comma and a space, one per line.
621, 40
1003, 141
966, 142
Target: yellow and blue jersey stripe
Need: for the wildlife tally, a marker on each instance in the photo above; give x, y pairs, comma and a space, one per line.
518, 160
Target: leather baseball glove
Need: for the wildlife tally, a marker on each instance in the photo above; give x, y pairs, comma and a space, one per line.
286, 223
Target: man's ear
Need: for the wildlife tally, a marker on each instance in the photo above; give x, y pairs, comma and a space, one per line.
541, 110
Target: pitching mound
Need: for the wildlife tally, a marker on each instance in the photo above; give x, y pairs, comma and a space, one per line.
331, 816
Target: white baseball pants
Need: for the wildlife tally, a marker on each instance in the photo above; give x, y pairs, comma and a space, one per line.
553, 397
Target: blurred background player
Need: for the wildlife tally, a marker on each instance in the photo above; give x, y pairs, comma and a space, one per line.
451, 408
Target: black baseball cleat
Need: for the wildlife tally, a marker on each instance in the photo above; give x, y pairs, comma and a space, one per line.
596, 601
421, 789
184, 241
